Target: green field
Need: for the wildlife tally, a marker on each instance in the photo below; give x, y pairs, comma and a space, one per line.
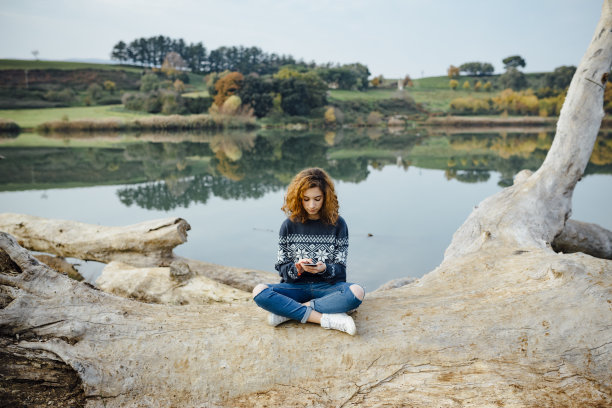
29, 118
37, 64
369, 95
433, 93
197, 84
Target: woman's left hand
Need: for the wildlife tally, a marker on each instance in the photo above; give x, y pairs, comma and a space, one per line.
318, 268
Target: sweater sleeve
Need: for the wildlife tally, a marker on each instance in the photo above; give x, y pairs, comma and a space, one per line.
284, 261
336, 265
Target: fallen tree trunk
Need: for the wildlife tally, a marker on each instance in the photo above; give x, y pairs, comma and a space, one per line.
523, 328
149, 243
504, 320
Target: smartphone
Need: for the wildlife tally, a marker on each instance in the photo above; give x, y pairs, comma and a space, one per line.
309, 264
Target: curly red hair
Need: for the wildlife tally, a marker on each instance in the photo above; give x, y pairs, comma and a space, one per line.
305, 179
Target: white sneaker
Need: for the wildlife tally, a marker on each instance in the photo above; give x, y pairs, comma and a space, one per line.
275, 320
338, 321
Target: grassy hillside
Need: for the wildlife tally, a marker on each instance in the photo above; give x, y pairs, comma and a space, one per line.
33, 64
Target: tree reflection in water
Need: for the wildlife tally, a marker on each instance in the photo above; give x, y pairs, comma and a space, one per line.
174, 171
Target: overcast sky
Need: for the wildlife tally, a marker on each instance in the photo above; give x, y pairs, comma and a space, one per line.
392, 37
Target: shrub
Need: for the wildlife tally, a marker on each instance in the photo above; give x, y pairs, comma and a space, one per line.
477, 86
94, 91
330, 117
153, 123
65, 95
551, 106
149, 82
170, 103
197, 105
523, 102
374, 118
152, 103
231, 105
487, 86
453, 83
8, 126
109, 100
470, 105
133, 101
179, 86
110, 86
466, 85
83, 125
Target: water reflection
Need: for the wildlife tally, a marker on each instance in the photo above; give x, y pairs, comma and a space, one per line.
166, 171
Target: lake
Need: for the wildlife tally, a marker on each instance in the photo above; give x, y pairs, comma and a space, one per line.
403, 194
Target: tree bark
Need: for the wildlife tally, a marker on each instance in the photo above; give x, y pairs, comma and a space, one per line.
504, 320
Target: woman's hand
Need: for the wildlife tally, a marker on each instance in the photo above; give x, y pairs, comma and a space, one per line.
318, 268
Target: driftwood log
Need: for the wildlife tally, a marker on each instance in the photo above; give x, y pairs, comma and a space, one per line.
149, 243
503, 321
134, 254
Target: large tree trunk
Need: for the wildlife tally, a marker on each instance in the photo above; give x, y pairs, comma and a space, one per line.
504, 320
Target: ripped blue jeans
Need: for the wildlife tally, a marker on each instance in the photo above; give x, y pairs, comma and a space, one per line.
285, 299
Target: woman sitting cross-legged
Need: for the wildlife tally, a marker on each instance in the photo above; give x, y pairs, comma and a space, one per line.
312, 251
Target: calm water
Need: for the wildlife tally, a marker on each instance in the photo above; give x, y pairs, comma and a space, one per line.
402, 195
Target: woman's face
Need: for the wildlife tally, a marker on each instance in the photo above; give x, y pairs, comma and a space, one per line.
312, 201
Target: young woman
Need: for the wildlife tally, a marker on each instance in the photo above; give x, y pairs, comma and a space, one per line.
312, 250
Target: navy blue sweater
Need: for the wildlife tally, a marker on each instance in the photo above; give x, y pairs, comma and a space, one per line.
312, 239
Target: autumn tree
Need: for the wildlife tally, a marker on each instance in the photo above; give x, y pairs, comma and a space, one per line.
453, 83
377, 81
179, 86
173, 64
452, 71
407, 81
227, 86
110, 86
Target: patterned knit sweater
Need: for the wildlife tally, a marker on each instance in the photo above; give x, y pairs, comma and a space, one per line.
312, 239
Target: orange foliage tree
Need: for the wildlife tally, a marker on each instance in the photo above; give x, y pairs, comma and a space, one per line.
452, 71
227, 86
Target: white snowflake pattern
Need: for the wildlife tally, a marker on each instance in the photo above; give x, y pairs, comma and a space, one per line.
322, 255
301, 254
280, 257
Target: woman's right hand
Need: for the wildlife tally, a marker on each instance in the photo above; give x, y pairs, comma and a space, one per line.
299, 267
